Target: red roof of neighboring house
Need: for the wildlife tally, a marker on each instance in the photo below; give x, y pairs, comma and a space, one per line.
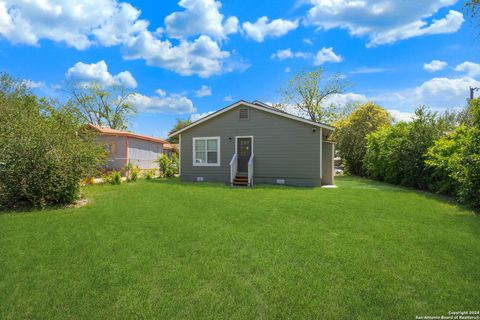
114, 132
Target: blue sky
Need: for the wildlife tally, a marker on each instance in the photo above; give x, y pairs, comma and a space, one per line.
190, 57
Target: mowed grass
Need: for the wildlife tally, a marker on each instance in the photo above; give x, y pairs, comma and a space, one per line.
171, 250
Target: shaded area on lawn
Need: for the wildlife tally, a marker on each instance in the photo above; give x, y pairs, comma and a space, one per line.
166, 249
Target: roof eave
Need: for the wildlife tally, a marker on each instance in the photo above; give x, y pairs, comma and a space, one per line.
234, 105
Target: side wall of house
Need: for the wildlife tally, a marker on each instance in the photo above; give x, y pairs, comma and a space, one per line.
117, 156
327, 162
143, 153
285, 150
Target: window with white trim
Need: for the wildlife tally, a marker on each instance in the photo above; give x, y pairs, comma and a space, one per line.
206, 151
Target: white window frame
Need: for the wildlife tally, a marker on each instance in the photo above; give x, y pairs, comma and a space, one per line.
217, 164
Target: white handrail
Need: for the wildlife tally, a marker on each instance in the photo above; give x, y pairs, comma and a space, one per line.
233, 168
250, 170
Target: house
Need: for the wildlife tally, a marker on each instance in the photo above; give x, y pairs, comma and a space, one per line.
246, 143
127, 147
169, 149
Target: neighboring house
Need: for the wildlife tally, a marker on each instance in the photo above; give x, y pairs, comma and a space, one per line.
170, 149
247, 143
127, 147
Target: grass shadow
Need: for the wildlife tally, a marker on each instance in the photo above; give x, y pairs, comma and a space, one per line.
366, 183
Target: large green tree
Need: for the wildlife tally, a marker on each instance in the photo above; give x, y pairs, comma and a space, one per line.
352, 131
308, 91
105, 106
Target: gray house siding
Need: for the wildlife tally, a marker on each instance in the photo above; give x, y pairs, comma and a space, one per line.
116, 158
141, 153
284, 149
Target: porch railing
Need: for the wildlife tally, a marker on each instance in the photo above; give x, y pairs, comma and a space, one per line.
233, 168
250, 170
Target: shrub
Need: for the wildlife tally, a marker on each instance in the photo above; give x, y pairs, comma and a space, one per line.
455, 161
114, 177
131, 172
175, 163
351, 134
45, 151
166, 165
149, 174
397, 154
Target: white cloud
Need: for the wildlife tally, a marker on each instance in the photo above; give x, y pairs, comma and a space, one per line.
434, 65
202, 57
76, 23
228, 98
200, 17
307, 41
445, 92
470, 68
367, 70
287, 69
198, 116
262, 29
288, 53
161, 93
33, 84
162, 103
83, 23
83, 73
384, 21
401, 115
439, 93
204, 91
326, 55
323, 55
345, 99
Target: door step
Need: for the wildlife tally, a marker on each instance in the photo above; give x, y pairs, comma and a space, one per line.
241, 181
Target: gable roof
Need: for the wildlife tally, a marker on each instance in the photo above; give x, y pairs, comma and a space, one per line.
114, 132
256, 105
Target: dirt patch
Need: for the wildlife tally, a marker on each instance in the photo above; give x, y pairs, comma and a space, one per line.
79, 203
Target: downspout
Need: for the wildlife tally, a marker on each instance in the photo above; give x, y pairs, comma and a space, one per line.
321, 155
179, 154
126, 151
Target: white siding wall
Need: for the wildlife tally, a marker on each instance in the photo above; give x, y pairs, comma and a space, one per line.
143, 153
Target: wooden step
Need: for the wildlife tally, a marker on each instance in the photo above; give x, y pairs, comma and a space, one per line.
241, 178
240, 184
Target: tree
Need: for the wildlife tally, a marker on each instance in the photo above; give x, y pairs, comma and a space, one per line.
351, 134
180, 124
307, 95
472, 8
45, 150
397, 154
455, 160
102, 106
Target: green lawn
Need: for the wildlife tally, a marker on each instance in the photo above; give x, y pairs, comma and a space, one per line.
164, 249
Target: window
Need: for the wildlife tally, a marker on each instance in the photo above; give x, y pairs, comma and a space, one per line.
243, 114
206, 151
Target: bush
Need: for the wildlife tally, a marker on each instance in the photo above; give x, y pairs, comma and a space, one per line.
397, 154
114, 177
45, 151
149, 174
455, 161
167, 167
175, 163
131, 172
